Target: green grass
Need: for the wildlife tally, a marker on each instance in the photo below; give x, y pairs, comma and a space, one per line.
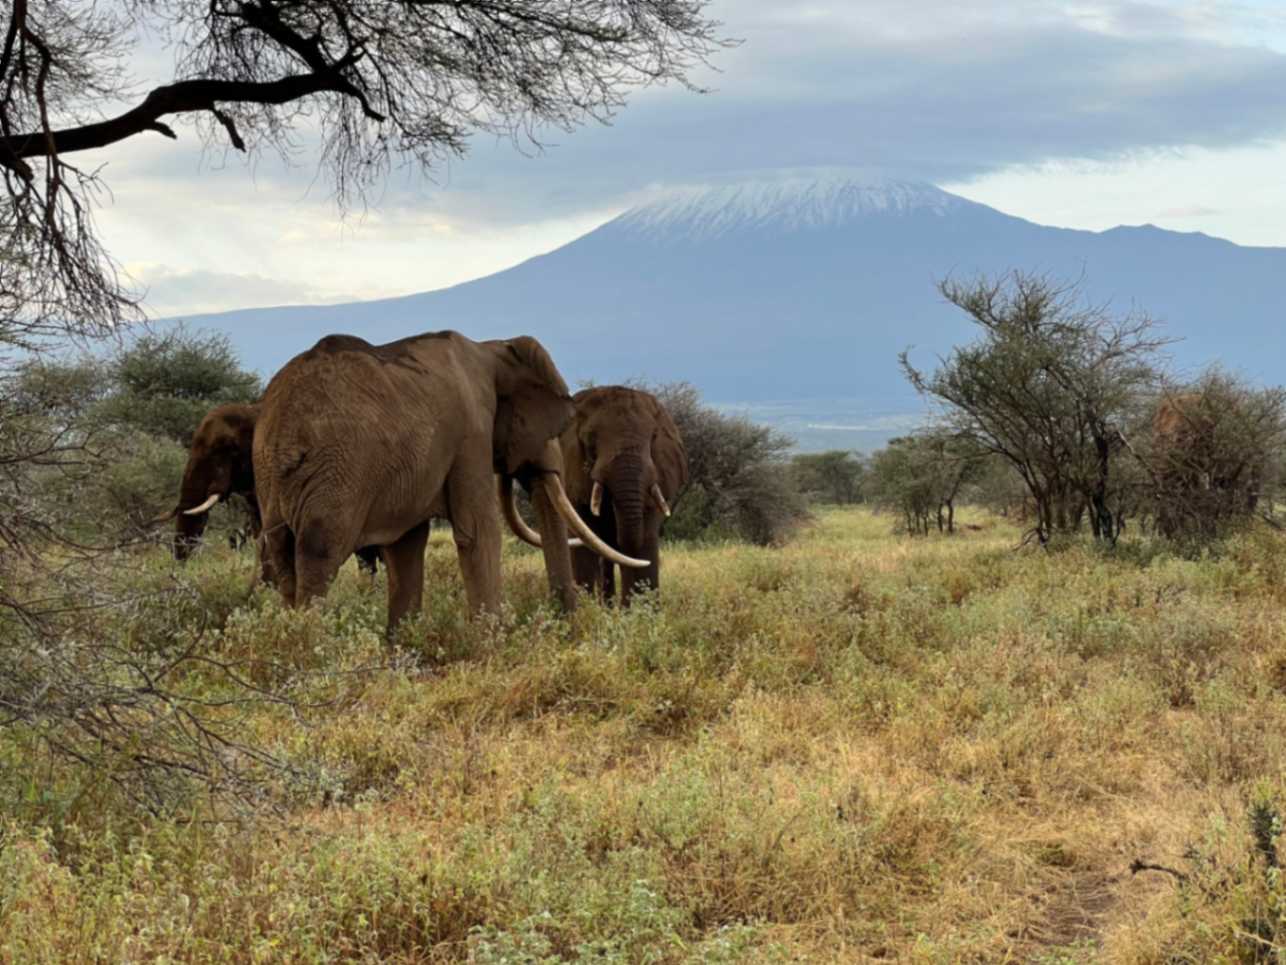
858, 747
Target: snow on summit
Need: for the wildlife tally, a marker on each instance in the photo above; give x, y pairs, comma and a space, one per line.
784, 204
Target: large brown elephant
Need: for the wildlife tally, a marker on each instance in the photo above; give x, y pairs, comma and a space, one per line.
361, 444
219, 467
626, 467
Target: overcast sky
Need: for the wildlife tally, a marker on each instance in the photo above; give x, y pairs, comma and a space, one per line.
1079, 114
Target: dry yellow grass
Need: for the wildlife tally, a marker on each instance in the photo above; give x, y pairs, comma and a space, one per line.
856, 748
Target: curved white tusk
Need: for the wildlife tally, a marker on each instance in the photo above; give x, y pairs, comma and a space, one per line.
582, 529
515, 521
660, 499
596, 499
205, 507
163, 518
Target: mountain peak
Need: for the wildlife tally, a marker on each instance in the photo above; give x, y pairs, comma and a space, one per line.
785, 203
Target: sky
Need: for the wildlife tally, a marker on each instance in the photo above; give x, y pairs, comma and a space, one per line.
1084, 114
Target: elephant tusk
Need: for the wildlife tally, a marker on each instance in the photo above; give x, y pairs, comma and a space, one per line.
205, 507
582, 529
163, 518
660, 499
515, 521
596, 499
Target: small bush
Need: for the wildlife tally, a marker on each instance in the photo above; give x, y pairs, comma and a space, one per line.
740, 486
837, 477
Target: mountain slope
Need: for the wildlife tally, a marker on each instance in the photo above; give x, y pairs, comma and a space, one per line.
807, 290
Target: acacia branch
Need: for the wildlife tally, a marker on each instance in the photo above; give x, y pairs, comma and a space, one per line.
183, 97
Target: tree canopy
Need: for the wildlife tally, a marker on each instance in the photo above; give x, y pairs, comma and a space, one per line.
1046, 386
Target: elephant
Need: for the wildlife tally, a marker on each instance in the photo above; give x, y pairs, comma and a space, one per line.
626, 467
220, 466
361, 444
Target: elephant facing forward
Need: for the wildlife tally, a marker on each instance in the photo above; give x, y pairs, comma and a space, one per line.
626, 466
220, 465
360, 444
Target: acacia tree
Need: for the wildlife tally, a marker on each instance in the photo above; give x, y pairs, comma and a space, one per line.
378, 82
1045, 387
835, 476
923, 475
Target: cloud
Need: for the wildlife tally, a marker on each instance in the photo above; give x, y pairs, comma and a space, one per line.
947, 92
1190, 211
937, 89
186, 291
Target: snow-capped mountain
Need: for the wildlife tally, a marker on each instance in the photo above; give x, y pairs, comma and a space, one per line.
794, 296
787, 204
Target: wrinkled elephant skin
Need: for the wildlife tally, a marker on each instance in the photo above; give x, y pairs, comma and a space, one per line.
362, 444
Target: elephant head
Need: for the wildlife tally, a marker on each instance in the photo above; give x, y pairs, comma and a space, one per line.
533, 407
626, 464
219, 465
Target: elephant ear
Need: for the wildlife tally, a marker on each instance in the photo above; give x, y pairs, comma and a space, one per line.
532, 405
245, 429
576, 477
668, 454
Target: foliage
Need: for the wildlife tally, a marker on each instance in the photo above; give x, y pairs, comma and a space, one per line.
740, 485
164, 383
1213, 452
1046, 387
379, 84
921, 477
834, 477
129, 417
999, 488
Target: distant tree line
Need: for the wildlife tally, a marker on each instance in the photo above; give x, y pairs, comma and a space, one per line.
1062, 416
1075, 404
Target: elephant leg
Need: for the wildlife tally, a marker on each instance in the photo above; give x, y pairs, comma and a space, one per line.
277, 559
607, 579
405, 562
633, 580
586, 569
593, 573
366, 557
553, 537
475, 527
320, 550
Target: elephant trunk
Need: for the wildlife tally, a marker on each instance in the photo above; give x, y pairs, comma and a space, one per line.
197, 488
627, 478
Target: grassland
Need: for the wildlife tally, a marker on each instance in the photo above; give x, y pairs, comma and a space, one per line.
858, 747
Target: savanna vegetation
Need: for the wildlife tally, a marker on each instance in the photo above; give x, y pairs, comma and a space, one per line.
838, 744
854, 747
